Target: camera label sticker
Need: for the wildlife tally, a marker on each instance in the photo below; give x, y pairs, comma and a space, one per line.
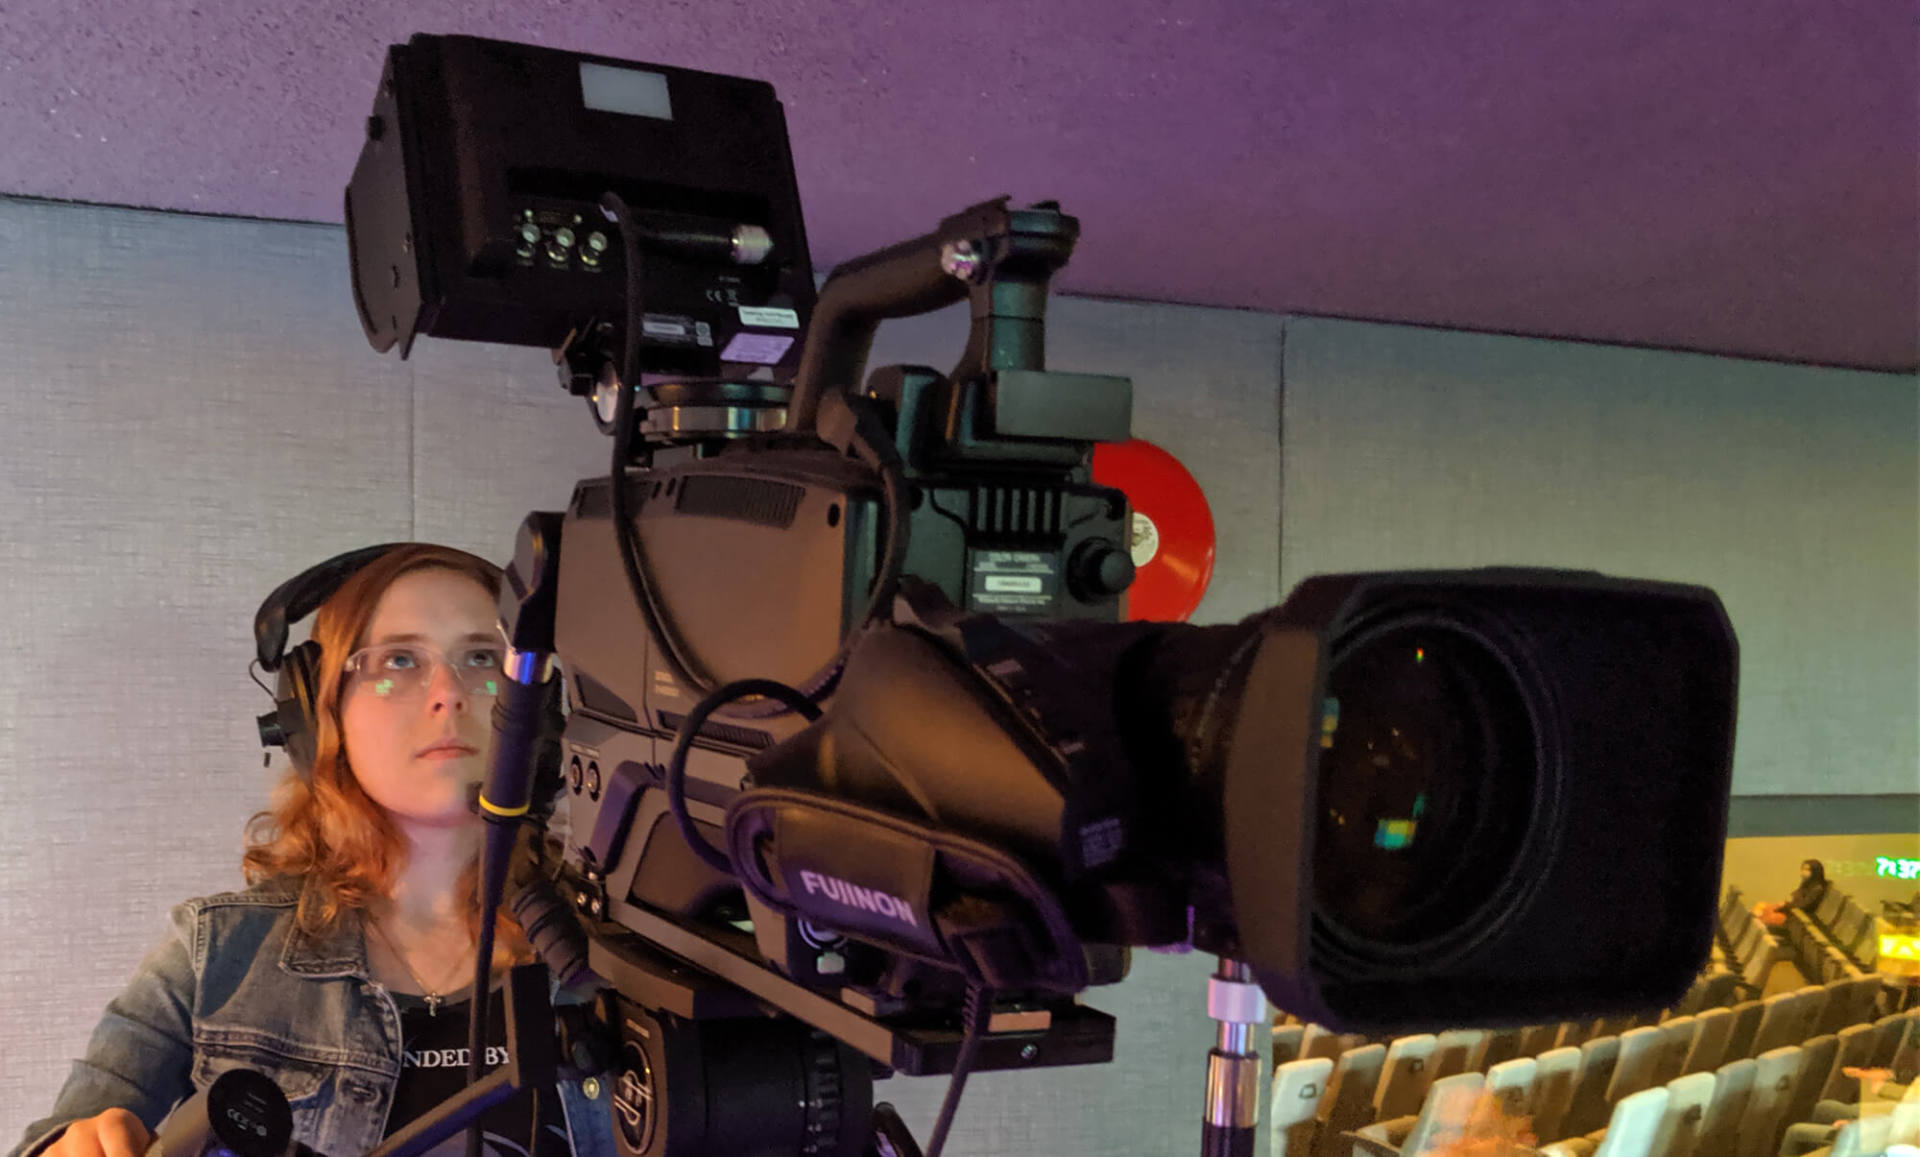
1143, 538
770, 316
763, 349
1012, 581
673, 329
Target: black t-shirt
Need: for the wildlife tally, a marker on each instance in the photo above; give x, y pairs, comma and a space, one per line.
433, 1067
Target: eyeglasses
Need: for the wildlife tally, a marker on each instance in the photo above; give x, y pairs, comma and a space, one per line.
403, 670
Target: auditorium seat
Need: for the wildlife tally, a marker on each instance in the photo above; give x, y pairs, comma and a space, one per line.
1448, 1104
1457, 1050
1554, 1074
1773, 1079
1630, 1130
1286, 1043
1905, 1061
1711, 1030
1720, 1124
1829, 907
1633, 1070
1405, 1076
1670, 1055
1855, 1052
1788, 1018
1511, 1085
1348, 1102
1503, 1044
1816, 1061
1537, 1039
1297, 1088
1686, 1108
1588, 1111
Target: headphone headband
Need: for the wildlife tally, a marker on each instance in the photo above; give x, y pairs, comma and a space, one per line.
301, 595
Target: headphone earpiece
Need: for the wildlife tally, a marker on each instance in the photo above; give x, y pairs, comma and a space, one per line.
296, 701
294, 722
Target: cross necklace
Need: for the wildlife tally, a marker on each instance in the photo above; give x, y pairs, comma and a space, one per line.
434, 999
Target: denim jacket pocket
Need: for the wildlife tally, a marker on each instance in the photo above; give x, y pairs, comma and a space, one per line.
304, 1080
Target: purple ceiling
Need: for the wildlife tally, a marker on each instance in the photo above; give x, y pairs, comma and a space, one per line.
1734, 177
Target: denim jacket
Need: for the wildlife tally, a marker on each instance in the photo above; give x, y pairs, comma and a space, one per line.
237, 984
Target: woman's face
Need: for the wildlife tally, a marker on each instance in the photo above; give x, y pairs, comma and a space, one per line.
418, 743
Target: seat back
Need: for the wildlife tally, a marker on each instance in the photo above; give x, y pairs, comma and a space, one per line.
1588, 1112
1404, 1078
1760, 964
1348, 1103
1720, 1126
1719, 992
1294, 1104
1458, 1050
1503, 1044
1633, 1071
1511, 1085
1905, 1061
1828, 907
1319, 1041
1443, 1116
1816, 1061
1686, 1111
1887, 1032
1864, 1000
1773, 1077
1787, 1019
1554, 1074
1855, 1052
1746, 1023
1537, 1039
1710, 1033
1286, 1043
1670, 1055
1732, 902
1634, 1125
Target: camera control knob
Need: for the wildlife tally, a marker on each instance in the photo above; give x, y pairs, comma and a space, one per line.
1099, 569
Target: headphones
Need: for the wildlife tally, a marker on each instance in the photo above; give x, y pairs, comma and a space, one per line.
294, 721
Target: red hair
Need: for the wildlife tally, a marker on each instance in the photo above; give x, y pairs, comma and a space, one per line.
322, 825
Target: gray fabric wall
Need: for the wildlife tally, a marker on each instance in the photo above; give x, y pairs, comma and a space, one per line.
189, 414
1793, 492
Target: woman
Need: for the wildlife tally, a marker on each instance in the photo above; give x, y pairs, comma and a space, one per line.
1807, 897
344, 972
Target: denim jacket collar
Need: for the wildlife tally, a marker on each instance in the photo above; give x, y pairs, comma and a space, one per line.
340, 952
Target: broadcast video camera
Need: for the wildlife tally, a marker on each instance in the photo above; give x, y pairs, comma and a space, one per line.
857, 735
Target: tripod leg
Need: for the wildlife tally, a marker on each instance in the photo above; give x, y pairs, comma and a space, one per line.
1233, 1065
888, 1135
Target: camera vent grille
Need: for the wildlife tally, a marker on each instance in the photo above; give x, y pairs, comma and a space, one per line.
1016, 511
745, 499
722, 732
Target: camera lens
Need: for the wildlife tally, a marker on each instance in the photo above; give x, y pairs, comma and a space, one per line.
1428, 775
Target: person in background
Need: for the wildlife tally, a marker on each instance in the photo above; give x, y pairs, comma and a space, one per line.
1807, 897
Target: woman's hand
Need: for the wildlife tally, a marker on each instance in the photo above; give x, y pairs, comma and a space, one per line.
114, 1133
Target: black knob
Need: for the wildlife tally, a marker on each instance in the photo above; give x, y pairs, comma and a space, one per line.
1098, 570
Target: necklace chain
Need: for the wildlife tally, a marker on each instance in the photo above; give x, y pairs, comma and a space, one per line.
434, 998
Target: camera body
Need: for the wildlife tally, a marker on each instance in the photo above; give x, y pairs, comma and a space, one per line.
959, 788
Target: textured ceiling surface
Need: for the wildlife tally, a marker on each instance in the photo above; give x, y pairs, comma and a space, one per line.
1698, 174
